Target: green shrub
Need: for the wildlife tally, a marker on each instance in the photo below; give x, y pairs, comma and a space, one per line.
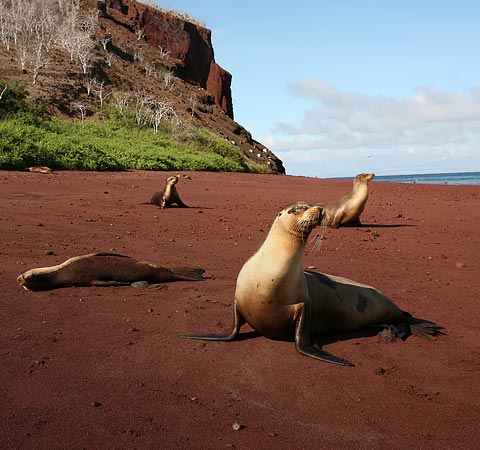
28, 139
14, 100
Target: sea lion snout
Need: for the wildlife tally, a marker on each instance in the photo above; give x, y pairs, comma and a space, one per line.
21, 281
31, 281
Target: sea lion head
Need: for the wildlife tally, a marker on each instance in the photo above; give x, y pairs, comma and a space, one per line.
365, 177
172, 180
35, 280
300, 218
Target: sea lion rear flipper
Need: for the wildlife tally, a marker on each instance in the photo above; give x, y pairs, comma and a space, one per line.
188, 273
423, 328
304, 345
238, 321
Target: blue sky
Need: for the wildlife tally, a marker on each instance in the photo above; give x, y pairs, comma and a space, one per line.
339, 88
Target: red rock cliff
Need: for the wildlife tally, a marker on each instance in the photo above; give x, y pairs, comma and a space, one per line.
188, 44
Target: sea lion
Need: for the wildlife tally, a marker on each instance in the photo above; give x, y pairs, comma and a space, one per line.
169, 195
347, 210
280, 300
104, 269
39, 169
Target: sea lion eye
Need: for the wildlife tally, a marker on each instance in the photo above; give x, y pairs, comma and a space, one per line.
297, 209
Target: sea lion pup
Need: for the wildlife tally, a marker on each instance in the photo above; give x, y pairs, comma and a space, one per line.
347, 210
279, 300
169, 195
104, 269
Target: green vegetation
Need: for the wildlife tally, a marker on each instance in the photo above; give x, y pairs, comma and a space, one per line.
28, 139
13, 100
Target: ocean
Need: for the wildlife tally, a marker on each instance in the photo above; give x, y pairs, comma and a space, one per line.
469, 178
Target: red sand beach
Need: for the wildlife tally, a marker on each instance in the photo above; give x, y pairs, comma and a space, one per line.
104, 368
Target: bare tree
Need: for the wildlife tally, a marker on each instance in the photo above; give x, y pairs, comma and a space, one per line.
160, 111
122, 102
167, 78
140, 33
84, 51
193, 103
142, 109
76, 33
163, 53
99, 90
89, 81
6, 25
3, 91
38, 61
109, 59
82, 107
104, 41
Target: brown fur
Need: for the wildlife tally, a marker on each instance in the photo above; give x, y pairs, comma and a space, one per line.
280, 300
347, 210
169, 195
103, 269
39, 169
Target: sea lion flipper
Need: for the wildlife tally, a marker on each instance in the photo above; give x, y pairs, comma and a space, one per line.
303, 341
101, 283
238, 321
318, 353
189, 273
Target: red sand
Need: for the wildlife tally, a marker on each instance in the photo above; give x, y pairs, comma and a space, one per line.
104, 368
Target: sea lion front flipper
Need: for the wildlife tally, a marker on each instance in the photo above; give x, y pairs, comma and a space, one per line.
303, 342
100, 283
238, 321
318, 353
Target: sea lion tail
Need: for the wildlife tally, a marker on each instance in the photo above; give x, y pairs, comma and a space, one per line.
423, 328
189, 273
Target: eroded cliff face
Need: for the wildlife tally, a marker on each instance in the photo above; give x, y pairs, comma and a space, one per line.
140, 50
188, 44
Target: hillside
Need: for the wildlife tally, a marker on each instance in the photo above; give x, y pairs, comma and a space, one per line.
134, 53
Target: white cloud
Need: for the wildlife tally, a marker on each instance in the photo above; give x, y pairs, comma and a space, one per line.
427, 116
429, 123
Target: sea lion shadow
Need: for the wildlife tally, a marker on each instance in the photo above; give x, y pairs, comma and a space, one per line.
188, 207
321, 340
248, 335
357, 334
200, 207
386, 225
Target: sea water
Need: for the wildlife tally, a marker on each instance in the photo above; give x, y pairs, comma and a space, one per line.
470, 178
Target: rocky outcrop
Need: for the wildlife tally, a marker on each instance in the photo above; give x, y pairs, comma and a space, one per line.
139, 50
188, 44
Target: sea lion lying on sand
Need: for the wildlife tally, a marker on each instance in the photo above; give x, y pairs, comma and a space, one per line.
104, 269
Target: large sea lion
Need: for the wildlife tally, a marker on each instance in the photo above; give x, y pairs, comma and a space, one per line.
104, 269
169, 195
280, 300
347, 210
